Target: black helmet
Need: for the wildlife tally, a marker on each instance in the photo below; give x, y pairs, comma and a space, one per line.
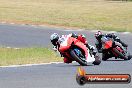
98, 34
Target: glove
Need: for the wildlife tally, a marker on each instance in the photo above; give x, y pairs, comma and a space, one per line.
54, 48
117, 38
83, 36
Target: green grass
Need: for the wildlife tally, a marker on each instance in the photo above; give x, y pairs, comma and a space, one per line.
89, 14
10, 56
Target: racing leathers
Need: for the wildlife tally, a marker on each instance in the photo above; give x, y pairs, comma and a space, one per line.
105, 54
82, 38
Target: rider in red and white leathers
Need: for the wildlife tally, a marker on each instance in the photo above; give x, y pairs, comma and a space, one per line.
55, 38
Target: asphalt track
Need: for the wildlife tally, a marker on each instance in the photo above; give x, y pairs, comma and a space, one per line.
53, 75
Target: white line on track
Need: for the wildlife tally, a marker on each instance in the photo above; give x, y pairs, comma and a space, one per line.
125, 32
12, 23
27, 65
68, 29
8, 47
112, 32
3, 22
73, 30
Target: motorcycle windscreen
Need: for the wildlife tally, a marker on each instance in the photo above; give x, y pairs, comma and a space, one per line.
65, 44
108, 44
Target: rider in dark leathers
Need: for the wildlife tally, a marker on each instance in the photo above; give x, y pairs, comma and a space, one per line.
105, 54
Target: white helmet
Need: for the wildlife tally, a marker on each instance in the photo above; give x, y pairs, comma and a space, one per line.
54, 37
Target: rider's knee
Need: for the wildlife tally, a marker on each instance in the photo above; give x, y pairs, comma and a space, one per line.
66, 60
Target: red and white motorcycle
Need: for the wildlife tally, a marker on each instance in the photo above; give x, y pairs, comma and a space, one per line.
75, 50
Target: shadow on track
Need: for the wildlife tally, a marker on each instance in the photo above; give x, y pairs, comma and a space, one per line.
71, 65
116, 60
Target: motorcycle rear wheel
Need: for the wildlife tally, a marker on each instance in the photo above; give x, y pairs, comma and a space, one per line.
120, 54
104, 57
97, 60
129, 56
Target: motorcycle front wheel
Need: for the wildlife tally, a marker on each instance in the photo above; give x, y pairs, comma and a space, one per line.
76, 55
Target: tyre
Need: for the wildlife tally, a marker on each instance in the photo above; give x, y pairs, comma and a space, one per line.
129, 56
80, 60
104, 57
97, 60
120, 54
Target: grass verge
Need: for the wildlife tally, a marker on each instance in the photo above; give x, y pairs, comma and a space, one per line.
10, 56
89, 14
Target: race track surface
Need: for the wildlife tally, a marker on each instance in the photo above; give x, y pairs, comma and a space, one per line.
53, 75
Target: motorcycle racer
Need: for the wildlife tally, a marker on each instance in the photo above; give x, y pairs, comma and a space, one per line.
55, 38
105, 54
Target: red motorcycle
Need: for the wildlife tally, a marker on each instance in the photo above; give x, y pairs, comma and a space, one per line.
75, 50
114, 49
